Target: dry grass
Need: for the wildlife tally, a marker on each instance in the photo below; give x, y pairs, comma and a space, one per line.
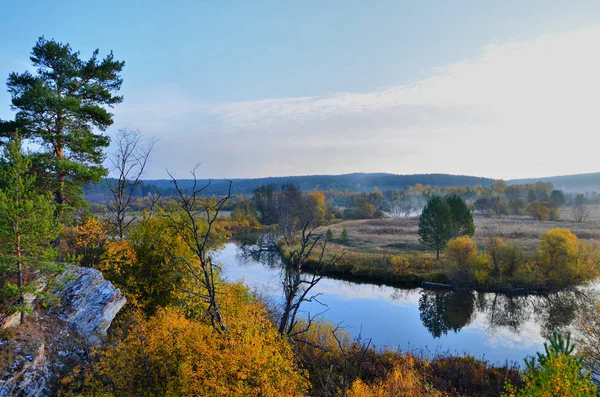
393, 236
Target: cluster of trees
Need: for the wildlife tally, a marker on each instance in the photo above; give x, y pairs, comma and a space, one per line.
289, 206
560, 260
442, 219
335, 183
540, 200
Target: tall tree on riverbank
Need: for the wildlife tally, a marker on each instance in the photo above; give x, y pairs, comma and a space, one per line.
462, 219
435, 224
58, 107
27, 224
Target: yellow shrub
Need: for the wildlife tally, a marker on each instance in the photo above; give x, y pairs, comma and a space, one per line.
169, 355
558, 254
400, 263
404, 380
461, 251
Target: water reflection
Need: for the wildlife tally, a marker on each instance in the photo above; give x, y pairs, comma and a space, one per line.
442, 311
495, 325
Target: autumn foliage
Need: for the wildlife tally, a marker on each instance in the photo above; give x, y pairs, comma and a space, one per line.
170, 355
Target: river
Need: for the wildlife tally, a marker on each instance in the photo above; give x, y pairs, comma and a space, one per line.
490, 326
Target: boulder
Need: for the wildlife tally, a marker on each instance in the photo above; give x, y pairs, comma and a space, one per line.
89, 303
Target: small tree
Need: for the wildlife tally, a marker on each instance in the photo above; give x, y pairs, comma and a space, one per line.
461, 253
329, 235
462, 219
580, 211
27, 224
538, 211
195, 224
344, 237
435, 224
558, 254
129, 162
557, 198
556, 372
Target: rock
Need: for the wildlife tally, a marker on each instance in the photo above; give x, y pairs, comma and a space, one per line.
30, 381
89, 303
35, 354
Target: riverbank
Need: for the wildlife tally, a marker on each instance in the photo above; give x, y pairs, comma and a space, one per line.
424, 272
493, 327
513, 259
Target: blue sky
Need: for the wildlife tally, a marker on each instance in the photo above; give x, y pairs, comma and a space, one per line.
301, 87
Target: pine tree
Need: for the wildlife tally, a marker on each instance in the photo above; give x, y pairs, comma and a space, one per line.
27, 225
462, 219
329, 235
344, 236
59, 107
435, 224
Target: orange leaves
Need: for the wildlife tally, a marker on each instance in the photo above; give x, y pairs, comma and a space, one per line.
404, 380
118, 256
169, 355
88, 240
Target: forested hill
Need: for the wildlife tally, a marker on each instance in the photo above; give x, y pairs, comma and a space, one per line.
354, 182
571, 183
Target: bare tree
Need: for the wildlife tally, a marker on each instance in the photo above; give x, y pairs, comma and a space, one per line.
304, 246
129, 162
353, 355
196, 229
297, 286
580, 210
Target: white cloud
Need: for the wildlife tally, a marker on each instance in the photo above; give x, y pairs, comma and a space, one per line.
519, 109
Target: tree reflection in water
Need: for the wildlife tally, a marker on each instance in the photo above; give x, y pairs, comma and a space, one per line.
446, 310
259, 248
442, 311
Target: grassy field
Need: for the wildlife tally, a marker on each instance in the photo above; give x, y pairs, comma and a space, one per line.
394, 236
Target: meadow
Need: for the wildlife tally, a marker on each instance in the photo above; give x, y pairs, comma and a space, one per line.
400, 236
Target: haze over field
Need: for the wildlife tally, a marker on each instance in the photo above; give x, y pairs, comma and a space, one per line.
501, 91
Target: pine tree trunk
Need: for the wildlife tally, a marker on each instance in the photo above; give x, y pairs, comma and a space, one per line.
20, 272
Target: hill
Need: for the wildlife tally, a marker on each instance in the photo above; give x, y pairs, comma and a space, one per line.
354, 182
579, 183
358, 182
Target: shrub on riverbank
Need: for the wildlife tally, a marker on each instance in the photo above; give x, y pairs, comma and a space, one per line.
353, 365
560, 260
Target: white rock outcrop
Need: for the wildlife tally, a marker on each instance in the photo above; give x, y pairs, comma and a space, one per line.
89, 303
51, 340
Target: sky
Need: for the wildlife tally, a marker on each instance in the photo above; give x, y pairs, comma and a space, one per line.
503, 89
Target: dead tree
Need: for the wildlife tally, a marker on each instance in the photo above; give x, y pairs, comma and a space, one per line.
580, 210
129, 162
196, 229
353, 356
297, 285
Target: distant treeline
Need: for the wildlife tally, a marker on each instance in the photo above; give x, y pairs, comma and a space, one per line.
99, 193
580, 183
